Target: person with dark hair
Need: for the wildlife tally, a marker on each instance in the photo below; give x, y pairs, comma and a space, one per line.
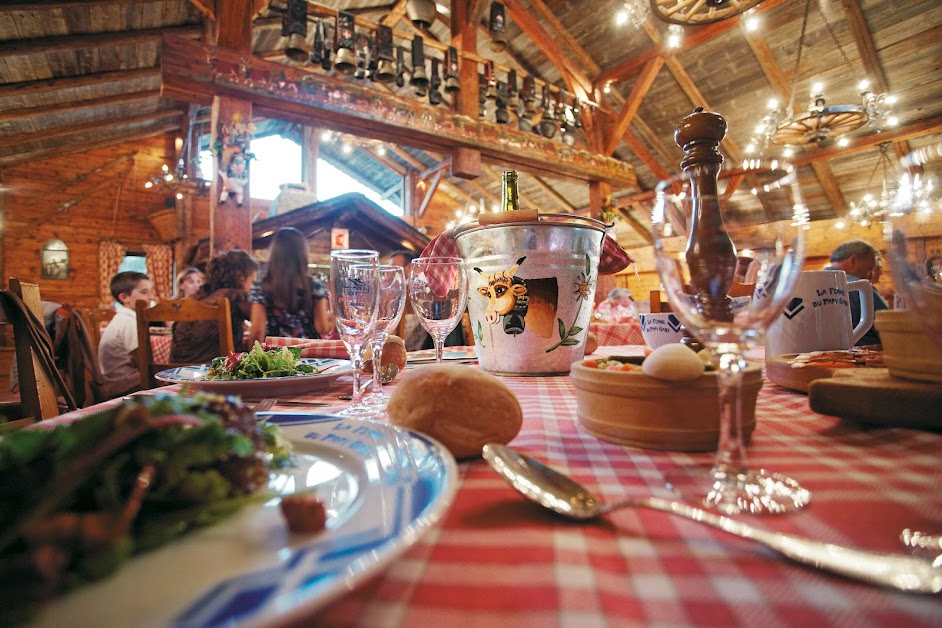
189, 282
858, 258
231, 275
289, 301
116, 350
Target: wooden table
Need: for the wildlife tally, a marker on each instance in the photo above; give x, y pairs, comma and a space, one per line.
497, 560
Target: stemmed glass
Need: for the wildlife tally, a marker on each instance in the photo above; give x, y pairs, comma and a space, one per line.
439, 290
392, 302
354, 294
697, 272
917, 273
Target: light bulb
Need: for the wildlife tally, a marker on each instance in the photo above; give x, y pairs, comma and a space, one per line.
608, 88
675, 35
381, 151
787, 153
149, 185
817, 88
773, 104
621, 18
863, 85
843, 142
890, 99
892, 121
752, 23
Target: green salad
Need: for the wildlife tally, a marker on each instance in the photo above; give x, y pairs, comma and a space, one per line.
79, 500
260, 362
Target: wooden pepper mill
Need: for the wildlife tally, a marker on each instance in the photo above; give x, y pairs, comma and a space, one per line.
711, 256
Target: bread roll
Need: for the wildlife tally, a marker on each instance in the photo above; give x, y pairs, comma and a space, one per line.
394, 352
458, 405
591, 343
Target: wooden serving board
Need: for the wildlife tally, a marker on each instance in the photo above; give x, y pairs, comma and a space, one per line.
872, 395
780, 371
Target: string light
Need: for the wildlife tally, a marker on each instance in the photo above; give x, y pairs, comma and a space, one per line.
675, 35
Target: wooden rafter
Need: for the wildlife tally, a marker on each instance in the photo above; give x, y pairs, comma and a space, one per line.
17, 47
96, 127
868, 53
693, 37
633, 102
545, 186
392, 164
920, 128
435, 168
11, 115
832, 190
636, 225
547, 14
575, 80
641, 152
429, 193
395, 14
646, 133
49, 85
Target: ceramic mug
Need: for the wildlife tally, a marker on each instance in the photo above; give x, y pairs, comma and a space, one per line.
661, 329
817, 318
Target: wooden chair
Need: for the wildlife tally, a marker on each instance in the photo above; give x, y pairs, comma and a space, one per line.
171, 311
39, 381
97, 319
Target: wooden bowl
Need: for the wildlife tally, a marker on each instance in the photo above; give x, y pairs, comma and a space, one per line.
908, 351
630, 408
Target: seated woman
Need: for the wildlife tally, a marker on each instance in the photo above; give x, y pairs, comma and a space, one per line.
618, 307
231, 275
189, 282
288, 301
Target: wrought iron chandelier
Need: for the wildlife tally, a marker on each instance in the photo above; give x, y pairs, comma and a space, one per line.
177, 180
820, 122
872, 208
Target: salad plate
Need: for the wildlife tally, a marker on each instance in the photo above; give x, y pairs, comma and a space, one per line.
382, 487
328, 370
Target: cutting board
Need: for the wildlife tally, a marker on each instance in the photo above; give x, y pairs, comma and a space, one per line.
779, 370
872, 395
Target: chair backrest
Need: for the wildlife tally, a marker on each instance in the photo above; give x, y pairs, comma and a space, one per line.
35, 360
177, 310
96, 320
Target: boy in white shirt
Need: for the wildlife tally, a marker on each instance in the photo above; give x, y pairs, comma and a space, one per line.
116, 351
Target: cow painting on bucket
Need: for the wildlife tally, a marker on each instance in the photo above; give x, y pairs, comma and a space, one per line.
520, 303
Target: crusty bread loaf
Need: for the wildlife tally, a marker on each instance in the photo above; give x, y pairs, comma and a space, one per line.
591, 343
458, 405
394, 352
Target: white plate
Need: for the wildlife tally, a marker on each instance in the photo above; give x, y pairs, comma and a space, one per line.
268, 387
383, 487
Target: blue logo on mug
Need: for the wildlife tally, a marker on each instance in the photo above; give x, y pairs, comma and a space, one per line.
794, 306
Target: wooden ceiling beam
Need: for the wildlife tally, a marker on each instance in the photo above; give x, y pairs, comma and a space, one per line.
636, 225
545, 186
646, 133
641, 152
638, 91
584, 57
429, 193
392, 164
18, 47
49, 85
575, 80
48, 134
195, 70
12, 115
442, 165
920, 128
868, 54
83, 146
47, 5
395, 14
693, 37
832, 190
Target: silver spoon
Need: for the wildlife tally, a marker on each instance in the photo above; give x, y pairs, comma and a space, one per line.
564, 496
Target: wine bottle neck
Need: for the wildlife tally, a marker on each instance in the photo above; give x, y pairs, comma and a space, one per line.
509, 200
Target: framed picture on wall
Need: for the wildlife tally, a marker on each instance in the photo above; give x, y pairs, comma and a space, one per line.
54, 260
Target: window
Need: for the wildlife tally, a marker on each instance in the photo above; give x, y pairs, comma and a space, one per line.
278, 161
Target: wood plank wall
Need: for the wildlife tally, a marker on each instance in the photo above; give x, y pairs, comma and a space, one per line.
33, 212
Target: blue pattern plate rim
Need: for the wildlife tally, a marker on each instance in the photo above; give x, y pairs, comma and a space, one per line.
383, 487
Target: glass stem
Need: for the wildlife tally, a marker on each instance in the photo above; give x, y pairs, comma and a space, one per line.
730, 452
356, 356
439, 348
376, 344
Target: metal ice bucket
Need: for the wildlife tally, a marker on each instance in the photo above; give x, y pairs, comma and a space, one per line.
531, 290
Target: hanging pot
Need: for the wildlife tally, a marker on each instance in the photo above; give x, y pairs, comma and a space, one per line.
421, 12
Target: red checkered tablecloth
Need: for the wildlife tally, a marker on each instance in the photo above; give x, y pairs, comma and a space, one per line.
617, 333
497, 560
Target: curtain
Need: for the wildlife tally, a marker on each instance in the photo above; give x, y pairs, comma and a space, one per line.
160, 268
110, 255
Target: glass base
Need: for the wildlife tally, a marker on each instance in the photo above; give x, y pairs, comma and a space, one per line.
378, 400
362, 411
732, 492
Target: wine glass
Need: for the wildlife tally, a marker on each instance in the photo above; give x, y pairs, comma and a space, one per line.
392, 302
916, 271
438, 287
354, 295
696, 260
